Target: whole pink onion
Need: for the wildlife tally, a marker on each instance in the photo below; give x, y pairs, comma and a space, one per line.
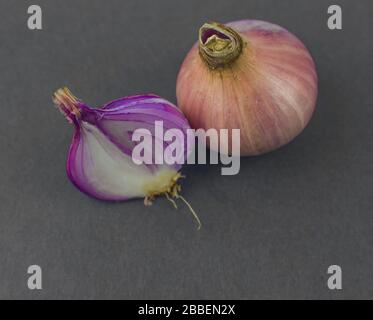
249, 75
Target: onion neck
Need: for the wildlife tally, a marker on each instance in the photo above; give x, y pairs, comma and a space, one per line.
67, 103
219, 45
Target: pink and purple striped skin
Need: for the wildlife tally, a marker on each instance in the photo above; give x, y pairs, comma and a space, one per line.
99, 160
269, 92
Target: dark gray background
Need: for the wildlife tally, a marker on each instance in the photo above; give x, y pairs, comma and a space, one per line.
269, 232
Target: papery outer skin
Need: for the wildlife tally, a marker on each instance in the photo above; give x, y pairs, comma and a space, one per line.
113, 124
269, 92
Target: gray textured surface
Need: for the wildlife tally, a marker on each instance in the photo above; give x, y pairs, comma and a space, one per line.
269, 232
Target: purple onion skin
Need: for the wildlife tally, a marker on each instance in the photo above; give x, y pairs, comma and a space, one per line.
115, 123
264, 83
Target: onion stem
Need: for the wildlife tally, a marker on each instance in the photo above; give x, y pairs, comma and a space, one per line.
67, 103
219, 45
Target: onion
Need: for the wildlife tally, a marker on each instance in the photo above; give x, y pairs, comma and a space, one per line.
251, 75
100, 160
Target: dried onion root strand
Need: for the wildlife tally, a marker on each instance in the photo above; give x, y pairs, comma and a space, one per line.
172, 192
192, 211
